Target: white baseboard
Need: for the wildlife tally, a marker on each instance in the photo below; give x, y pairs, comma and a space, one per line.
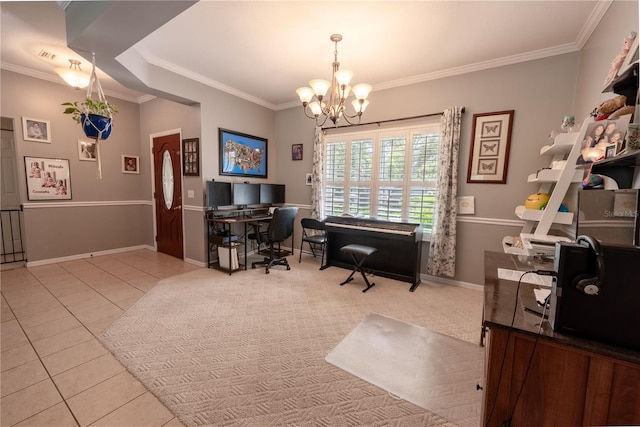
195, 262
450, 282
86, 255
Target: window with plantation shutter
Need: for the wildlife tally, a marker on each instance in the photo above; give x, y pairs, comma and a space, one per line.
384, 174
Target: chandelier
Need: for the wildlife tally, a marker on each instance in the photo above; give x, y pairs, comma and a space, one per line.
334, 106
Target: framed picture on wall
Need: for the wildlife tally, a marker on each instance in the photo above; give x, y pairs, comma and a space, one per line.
242, 154
130, 164
191, 157
296, 152
36, 130
47, 179
490, 142
86, 150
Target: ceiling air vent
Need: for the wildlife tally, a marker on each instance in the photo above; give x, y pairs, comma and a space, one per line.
43, 54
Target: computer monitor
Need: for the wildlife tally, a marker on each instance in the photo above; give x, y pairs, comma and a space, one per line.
245, 194
218, 194
272, 194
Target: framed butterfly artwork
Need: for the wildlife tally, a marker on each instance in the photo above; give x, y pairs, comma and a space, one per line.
490, 142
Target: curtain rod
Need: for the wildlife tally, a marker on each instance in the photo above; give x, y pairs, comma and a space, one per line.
379, 122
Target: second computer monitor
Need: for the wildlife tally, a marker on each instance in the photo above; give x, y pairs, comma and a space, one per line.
246, 194
272, 194
218, 194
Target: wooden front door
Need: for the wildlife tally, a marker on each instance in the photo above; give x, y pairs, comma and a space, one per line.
168, 194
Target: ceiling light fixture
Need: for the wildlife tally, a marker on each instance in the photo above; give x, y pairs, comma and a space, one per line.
74, 76
334, 107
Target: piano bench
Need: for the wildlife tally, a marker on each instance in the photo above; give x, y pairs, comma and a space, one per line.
362, 252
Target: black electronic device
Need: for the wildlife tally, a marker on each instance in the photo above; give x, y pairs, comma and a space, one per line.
218, 194
613, 314
611, 216
589, 284
272, 194
246, 194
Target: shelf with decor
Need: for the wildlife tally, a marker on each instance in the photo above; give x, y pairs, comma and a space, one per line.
620, 168
556, 181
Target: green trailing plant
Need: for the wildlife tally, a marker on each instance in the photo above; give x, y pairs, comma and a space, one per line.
89, 106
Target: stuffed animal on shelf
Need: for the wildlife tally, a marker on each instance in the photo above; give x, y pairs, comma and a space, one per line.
619, 59
608, 107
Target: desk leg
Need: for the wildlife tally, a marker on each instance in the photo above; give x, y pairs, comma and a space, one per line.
230, 250
245, 246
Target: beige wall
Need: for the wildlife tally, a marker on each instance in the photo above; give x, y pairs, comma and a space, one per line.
540, 92
212, 109
104, 214
526, 88
596, 56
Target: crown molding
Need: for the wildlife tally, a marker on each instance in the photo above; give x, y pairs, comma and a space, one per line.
54, 78
596, 15
174, 68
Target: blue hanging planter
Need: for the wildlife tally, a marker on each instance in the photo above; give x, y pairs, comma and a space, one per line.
96, 126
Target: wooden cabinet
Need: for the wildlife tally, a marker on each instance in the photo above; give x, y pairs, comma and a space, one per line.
538, 377
536, 382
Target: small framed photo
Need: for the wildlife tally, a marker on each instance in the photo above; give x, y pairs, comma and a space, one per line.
611, 150
296, 152
86, 150
308, 179
130, 164
191, 157
47, 179
36, 130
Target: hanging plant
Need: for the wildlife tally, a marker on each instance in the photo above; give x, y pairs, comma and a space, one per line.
95, 115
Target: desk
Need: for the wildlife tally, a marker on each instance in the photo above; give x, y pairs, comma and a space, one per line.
227, 237
565, 380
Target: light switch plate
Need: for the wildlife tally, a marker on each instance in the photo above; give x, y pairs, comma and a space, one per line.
466, 205
191, 194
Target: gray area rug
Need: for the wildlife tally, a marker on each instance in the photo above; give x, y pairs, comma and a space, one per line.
249, 349
434, 371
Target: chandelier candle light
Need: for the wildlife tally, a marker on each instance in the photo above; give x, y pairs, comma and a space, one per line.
334, 107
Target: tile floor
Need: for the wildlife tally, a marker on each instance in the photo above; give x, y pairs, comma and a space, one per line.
54, 370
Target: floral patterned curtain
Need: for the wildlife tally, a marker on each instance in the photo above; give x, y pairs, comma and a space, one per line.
442, 247
317, 173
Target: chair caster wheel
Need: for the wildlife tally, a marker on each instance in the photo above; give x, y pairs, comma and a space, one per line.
253, 267
288, 268
266, 272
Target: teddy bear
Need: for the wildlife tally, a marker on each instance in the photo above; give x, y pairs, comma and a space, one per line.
609, 107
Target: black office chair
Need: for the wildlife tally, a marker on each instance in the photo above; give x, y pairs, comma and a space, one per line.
315, 234
279, 229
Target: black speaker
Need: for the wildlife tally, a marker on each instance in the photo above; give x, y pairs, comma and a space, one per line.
612, 315
586, 283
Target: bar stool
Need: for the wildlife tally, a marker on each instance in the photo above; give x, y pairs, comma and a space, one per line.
363, 252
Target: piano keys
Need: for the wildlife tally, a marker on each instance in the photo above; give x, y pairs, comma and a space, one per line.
399, 246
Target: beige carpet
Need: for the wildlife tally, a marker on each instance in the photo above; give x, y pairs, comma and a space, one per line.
249, 349
434, 371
